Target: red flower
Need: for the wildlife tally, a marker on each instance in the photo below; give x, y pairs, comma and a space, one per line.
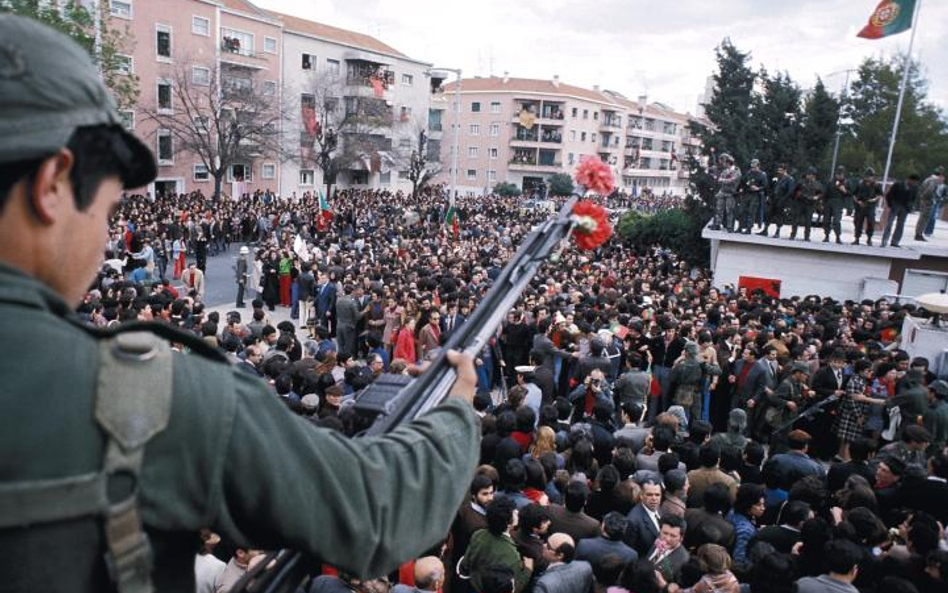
595, 175
592, 225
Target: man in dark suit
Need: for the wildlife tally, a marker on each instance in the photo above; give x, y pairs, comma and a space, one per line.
325, 300
451, 320
564, 574
347, 318
826, 382
643, 527
764, 384
595, 550
716, 503
570, 519
930, 496
544, 348
668, 554
595, 360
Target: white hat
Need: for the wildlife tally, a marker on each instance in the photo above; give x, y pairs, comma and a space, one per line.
244, 250
524, 369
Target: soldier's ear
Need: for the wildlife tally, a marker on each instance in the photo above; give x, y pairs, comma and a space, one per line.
50, 195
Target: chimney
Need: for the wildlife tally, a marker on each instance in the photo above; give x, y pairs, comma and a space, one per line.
643, 100
556, 80
506, 77
596, 87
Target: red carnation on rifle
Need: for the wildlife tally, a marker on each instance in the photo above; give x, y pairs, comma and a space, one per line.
594, 174
592, 225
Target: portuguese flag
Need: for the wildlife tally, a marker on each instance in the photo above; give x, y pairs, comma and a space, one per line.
324, 209
889, 17
452, 219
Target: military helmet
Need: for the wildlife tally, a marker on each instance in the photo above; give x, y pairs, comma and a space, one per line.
811, 170
726, 157
869, 172
755, 162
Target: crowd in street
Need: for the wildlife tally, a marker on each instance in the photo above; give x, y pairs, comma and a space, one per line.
752, 200
643, 430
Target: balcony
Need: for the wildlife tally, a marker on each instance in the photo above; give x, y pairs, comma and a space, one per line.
231, 46
534, 167
610, 125
551, 137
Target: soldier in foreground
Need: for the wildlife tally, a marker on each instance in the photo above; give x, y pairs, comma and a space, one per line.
134, 449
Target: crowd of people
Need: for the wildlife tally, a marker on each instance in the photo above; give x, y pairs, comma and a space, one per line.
643, 430
752, 200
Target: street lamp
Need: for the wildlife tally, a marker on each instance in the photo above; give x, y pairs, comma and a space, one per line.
457, 127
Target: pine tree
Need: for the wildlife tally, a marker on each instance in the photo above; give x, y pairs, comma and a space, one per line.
777, 116
820, 120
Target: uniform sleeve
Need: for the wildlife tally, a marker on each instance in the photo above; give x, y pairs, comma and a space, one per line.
363, 505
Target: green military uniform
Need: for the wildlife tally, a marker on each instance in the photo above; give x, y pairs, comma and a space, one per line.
752, 198
232, 458
804, 204
779, 203
866, 196
834, 200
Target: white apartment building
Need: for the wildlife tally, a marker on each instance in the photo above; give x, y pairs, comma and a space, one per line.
355, 73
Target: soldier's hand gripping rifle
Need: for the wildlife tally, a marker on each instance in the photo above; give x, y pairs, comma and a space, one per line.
393, 400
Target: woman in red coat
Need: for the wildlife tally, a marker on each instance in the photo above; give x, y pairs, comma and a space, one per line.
405, 344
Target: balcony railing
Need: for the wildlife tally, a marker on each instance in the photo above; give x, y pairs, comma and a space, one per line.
231, 45
526, 137
553, 115
552, 138
434, 126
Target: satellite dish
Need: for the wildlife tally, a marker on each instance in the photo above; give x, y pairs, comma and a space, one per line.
936, 302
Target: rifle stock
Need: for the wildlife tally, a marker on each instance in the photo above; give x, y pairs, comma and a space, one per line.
393, 400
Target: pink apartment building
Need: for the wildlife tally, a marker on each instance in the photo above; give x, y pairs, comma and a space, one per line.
523, 131
199, 39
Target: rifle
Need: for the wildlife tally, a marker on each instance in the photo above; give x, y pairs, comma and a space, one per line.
393, 400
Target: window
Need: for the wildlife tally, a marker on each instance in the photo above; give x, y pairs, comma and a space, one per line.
163, 41
200, 75
575, 110
596, 115
476, 107
237, 42
269, 88
201, 26
239, 173
164, 96
475, 129
307, 177
571, 158
123, 10
128, 119
165, 148
492, 153
593, 137
332, 67
385, 178
200, 172
268, 171
472, 152
495, 106
491, 176
495, 130
404, 144
585, 114
404, 113
572, 135
582, 136
123, 64
270, 45
407, 79
472, 174
309, 60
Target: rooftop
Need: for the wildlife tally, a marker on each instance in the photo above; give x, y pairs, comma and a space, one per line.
336, 34
529, 85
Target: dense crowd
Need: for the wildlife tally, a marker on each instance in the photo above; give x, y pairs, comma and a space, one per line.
643, 430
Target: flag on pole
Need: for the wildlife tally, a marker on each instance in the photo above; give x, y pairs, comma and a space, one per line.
324, 210
452, 219
889, 17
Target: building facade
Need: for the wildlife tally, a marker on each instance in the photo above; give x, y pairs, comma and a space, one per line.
523, 131
371, 97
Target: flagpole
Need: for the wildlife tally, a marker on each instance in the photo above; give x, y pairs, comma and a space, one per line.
898, 108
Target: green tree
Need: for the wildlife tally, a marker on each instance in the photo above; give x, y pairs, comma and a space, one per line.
777, 116
76, 21
820, 119
673, 229
870, 108
506, 189
561, 184
730, 107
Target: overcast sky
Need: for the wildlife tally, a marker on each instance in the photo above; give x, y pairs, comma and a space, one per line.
662, 48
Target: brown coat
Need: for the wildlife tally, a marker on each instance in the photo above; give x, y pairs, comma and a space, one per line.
703, 477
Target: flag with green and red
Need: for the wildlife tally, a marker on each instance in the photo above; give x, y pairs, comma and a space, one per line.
451, 219
889, 17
